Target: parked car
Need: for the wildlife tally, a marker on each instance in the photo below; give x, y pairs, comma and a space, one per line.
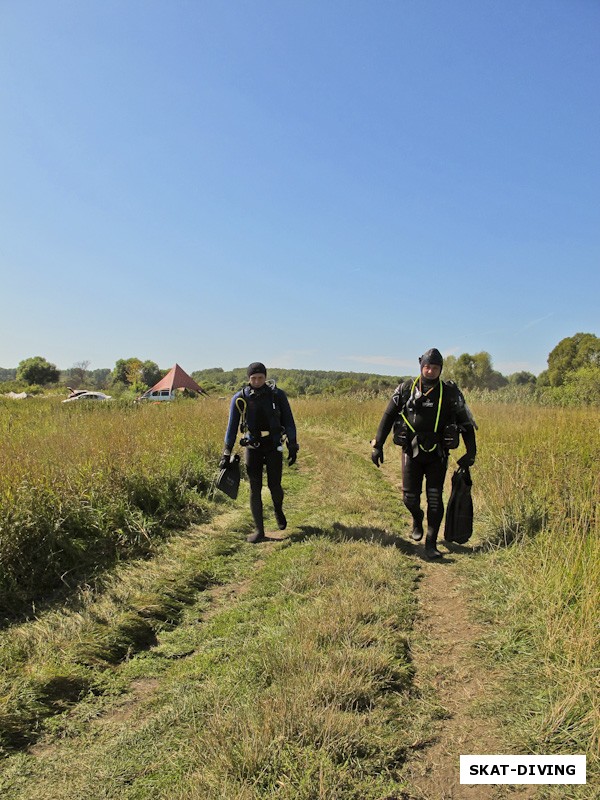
158, 395
84, 395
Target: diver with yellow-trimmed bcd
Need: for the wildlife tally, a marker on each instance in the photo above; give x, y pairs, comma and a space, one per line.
427, 415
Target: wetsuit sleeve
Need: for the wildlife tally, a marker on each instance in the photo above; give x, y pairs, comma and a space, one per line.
390, 415
287, 418
468, 435
467, 424
234, 423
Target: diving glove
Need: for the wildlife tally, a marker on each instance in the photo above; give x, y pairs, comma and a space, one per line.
376, 453
225, 459
466, 461
293, 448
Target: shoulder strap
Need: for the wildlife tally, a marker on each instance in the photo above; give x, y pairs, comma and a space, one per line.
402, 393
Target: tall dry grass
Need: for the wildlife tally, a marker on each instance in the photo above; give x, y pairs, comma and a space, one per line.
538, 490
83, 486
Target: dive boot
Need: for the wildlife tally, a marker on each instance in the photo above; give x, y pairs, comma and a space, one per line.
431, 550
255, 537
417, 529
281, 520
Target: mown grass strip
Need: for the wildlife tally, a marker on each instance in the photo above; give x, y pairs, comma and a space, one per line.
53, 662
303, 686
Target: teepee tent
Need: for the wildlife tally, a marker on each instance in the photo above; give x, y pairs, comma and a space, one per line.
176, 378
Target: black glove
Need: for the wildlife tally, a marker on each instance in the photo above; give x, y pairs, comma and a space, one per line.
225, 459
376, 453
293, 448
466, 461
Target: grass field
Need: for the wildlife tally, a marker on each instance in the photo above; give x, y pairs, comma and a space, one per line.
149, 651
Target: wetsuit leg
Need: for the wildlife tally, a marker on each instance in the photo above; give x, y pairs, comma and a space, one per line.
274, 461
254, 459
435, 473
412, 485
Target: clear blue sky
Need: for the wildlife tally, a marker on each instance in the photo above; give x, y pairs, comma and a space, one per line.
313, 184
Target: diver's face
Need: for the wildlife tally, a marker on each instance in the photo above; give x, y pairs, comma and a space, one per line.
431, 371
257, 380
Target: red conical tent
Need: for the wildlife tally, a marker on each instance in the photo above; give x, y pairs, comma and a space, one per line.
177, 378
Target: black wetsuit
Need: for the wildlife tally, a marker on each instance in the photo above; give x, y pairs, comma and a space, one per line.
424, 452
267, 415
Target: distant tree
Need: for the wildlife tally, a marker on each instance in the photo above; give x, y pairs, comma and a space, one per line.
151, 373
300, 381
119, 373
584, 384
37, 370
127, 370
522, 379
100, 378
572, 353
135, 372
77, 375
8, 374
449, 367
379, 383
543, 379
496, 380
473, 372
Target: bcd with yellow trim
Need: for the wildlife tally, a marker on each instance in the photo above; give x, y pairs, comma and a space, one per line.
409, 439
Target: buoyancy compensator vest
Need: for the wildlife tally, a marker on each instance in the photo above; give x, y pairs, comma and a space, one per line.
424, 425
260, 416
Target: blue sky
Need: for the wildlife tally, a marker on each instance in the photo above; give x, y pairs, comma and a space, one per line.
317, 185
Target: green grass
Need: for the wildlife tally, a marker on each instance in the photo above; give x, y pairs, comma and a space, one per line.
297, 683
51, 663
538, 490
303, 680
83, 487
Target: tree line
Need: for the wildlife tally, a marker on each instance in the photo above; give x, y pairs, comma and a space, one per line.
573, 373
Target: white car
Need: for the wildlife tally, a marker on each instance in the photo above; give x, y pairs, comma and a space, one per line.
158, 395
83, 395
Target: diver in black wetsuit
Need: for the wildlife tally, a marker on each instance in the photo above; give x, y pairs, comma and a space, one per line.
262, 412
427, 415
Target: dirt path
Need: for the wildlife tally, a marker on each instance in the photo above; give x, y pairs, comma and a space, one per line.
444, 638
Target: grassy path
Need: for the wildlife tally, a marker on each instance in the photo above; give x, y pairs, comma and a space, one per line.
450, 679
295, 675
332, 663
449, 671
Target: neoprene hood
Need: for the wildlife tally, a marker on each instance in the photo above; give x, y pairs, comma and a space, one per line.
432, 356
257, 368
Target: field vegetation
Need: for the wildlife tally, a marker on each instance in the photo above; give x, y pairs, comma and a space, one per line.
83, 487
135, 673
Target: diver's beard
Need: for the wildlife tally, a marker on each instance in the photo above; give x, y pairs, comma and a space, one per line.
429, 383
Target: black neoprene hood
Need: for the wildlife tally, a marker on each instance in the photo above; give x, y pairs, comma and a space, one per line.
256, 368
432, 356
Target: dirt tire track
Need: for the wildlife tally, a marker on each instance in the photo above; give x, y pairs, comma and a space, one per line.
447, 667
